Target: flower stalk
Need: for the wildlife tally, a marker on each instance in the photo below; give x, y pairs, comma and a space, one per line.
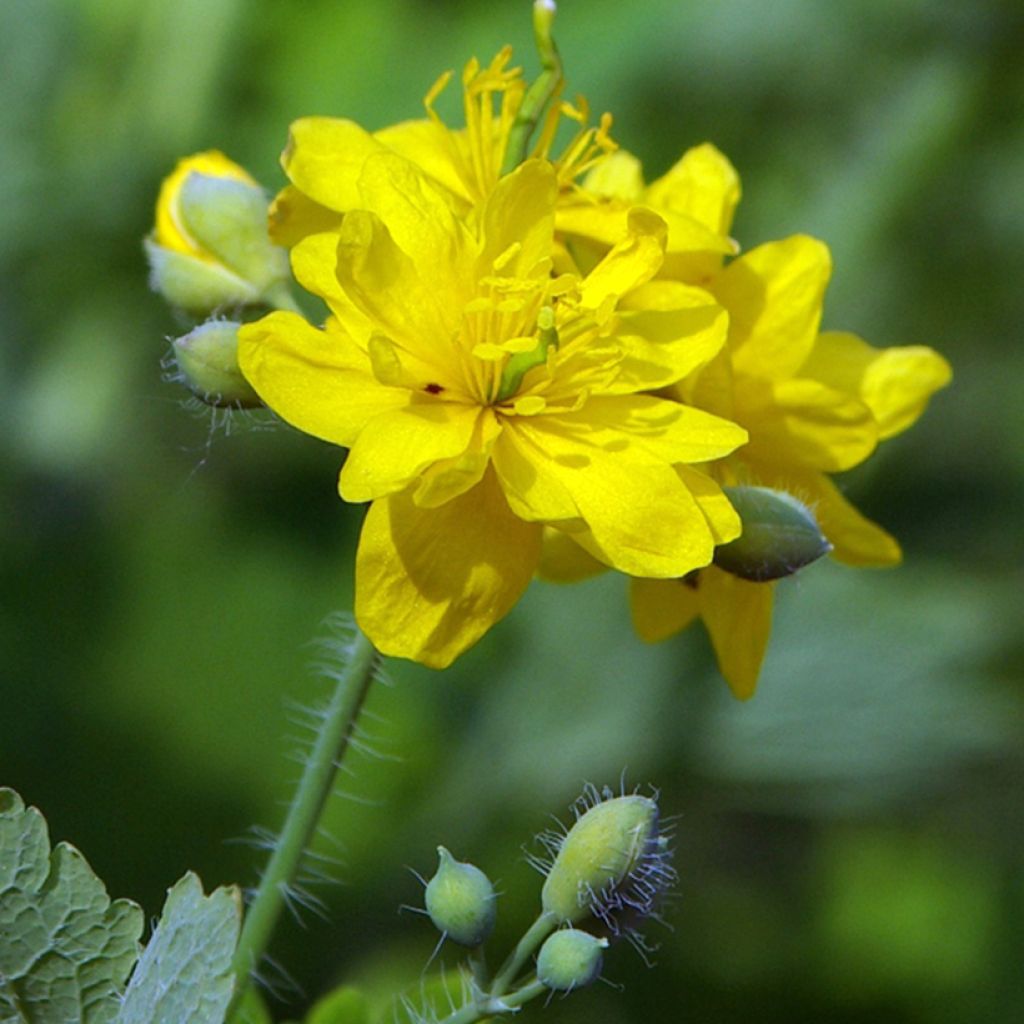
315, 786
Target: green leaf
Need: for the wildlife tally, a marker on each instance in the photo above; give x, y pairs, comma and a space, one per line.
185, 972
344, 1005
65, 948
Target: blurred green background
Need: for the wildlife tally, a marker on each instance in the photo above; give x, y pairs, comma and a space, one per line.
851, 842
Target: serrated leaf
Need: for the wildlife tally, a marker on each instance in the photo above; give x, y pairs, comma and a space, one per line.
184, 974
345, 1005
65, 948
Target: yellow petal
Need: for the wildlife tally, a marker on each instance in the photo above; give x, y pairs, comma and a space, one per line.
722, 519
431, 582
643, 520
804, 424
386, 285
703, 184
895, 383
433, 148
395, 447
663, 346
533, 492
631, 262
667, 430
323, 159
317, 380
618, 176
421, 222
293, 216
520, 211
738, 617
562, 560
774, 294
448, 478
661, 608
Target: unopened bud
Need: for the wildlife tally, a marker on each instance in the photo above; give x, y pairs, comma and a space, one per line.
598, 856
780, 535
207, 363
210, 248
460, 901
570, 959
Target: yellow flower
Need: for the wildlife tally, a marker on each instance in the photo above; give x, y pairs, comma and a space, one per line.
209, 248
482, 397
813, 403
324, 154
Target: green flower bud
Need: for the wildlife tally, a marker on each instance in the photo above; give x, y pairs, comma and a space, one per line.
209, 248
570, 959
460, 901
612, 859
207, 364
780, 535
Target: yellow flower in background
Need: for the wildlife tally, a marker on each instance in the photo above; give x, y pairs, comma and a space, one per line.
481, 396
170, 229
324, 154
813, 403
209, 248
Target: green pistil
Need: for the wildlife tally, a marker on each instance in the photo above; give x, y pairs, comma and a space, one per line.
521, 363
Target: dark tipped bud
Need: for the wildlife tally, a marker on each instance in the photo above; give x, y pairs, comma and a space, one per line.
570, 959
780, 535
460, 901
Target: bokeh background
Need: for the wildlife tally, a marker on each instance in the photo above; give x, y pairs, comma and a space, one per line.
851, 842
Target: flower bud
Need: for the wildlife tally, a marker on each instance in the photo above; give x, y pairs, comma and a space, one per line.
209, 247
780, 535
460, 901
207, 363
603, 854
570, 959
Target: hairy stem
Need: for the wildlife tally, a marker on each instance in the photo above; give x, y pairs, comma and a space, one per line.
314, 788
535, 935
492, 1006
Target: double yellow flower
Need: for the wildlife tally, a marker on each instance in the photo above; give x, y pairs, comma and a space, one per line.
558, 370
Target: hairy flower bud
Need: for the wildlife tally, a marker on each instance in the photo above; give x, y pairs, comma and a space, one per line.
612, 859
209, 247
780, 535
460, 901
570, 959
207, 364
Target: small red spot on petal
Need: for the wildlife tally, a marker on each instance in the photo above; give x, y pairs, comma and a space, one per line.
433, 389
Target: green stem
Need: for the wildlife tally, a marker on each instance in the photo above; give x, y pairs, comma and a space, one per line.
280, 297
491, 1006
315, 787
535, 935
541, 91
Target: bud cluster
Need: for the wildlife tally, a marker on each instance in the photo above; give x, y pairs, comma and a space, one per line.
210, 253
604, 875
